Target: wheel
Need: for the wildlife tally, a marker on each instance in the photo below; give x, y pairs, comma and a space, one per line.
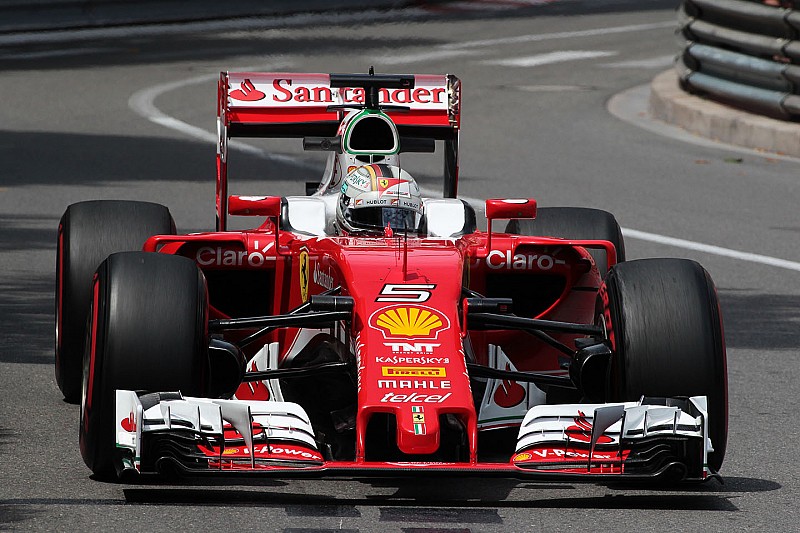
146, 331
574, 223
664, 324
88, 233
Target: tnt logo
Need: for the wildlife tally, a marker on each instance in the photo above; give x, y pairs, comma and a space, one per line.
412, 347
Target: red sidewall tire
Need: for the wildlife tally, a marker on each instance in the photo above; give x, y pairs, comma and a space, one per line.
88, 233
664, 322
147, 331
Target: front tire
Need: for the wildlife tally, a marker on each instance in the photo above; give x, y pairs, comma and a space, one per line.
147, 331
88, 233
664, 323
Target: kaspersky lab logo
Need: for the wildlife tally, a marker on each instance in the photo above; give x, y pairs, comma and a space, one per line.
409, 321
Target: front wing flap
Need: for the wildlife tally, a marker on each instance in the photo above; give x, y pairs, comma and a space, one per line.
653, 435
211, 434
634, 441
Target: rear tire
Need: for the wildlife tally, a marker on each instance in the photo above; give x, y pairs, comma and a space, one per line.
665, 327
87, 234
147, 331
574, 223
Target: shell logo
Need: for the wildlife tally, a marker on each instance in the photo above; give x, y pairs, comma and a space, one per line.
525, 456
405, 321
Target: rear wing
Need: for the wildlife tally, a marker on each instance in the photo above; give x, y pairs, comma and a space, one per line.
275, 104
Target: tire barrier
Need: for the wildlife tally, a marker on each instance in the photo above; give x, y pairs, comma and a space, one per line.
745, 53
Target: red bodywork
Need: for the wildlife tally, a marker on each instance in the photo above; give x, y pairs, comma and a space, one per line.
408, 309
408, 329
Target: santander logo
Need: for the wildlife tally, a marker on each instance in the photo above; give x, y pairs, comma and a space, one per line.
314, 90
509, 393
582, 431
247, 93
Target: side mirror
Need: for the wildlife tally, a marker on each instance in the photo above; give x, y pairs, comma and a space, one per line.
511, 208
506, 208
255, 206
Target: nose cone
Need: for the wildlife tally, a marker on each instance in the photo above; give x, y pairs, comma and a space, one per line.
418, 429
411, 363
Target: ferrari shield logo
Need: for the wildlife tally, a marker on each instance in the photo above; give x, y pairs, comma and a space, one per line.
383, 182
304, 272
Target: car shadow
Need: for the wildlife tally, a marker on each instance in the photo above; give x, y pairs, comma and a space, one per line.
452, 500
397, 509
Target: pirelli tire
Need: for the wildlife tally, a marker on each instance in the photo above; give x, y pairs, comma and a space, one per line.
88, 233
663, 321
147, 331
574, 223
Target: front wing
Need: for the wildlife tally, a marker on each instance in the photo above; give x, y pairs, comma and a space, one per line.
653, 439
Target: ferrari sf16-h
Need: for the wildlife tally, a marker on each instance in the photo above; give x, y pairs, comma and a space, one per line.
362, 329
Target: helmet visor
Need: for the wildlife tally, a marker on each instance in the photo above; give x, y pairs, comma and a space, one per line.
377, 218
399, 219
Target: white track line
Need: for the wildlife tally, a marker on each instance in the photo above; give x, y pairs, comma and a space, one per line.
537, 37
653, 62
479, 205
552, 57
452, 50
435, 55
711, 249
142, 103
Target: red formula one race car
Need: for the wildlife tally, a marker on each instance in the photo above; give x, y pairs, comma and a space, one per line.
364, 330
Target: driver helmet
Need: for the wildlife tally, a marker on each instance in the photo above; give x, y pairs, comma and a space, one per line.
376, 196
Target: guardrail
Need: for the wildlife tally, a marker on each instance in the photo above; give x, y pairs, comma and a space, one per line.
744, 53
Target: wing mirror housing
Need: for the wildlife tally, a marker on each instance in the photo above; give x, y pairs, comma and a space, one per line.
507, 208
258, 206
254, 206
510, 208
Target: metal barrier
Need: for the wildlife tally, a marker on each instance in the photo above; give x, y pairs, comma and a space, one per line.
745, 53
